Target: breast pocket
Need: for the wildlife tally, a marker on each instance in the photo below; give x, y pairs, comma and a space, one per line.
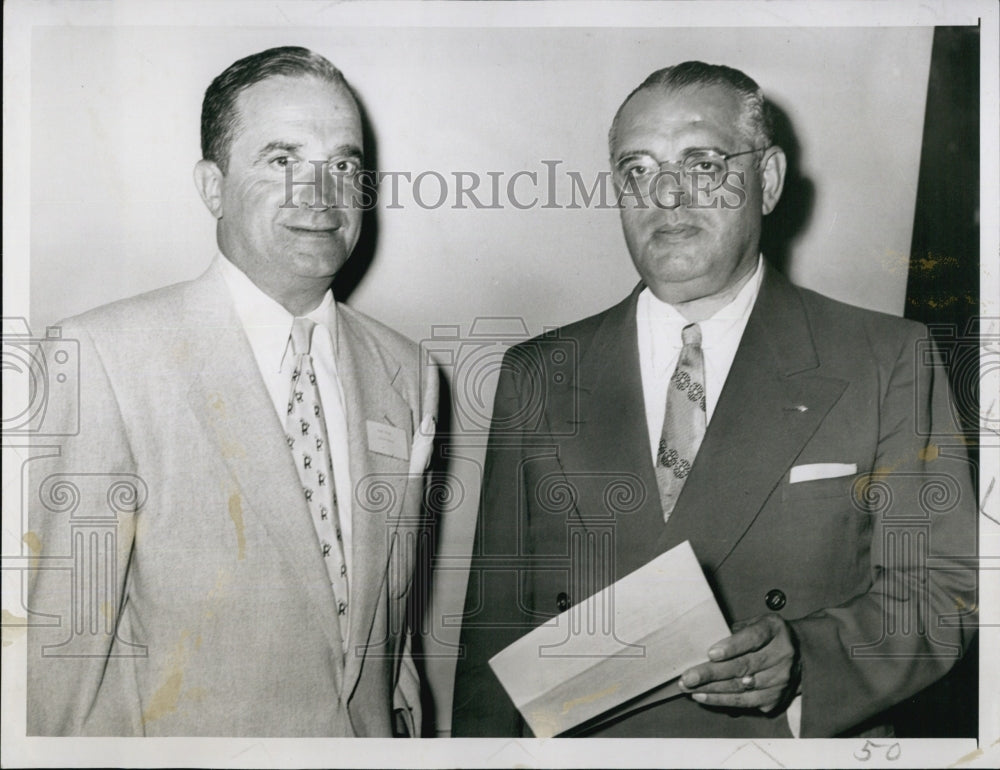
815, 489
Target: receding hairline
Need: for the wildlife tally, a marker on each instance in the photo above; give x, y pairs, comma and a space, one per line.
239, 102
219, 111
741, 99
340, 86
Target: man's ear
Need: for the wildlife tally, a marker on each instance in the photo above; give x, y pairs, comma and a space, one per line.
772, 178
208, 179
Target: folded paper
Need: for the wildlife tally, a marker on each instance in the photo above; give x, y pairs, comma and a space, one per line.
609, 650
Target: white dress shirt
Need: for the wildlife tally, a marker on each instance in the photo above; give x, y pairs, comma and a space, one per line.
268, 327
659, 328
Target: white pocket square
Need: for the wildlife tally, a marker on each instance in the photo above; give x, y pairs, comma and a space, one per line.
816, 471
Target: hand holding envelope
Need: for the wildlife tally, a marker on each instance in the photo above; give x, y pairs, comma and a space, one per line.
617, 650
756, 667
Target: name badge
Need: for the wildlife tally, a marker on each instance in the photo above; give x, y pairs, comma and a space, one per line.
387, 440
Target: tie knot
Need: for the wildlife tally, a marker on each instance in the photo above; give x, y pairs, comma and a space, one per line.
691, 334
302, 329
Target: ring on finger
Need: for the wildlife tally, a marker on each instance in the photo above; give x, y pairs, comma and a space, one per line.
748, 682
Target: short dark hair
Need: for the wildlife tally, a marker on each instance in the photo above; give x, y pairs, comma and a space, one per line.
219, 116
755, 118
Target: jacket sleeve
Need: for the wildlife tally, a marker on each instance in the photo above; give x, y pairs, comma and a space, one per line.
496, 596
406, 697
83, 491
915, 620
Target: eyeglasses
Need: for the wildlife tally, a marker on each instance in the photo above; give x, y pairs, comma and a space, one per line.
641, 172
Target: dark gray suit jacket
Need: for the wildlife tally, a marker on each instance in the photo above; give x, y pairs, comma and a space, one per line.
843, 559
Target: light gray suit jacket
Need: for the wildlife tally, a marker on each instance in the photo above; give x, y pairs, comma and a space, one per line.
177, 589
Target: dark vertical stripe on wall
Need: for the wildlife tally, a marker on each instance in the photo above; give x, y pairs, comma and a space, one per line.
943, 285
943, 291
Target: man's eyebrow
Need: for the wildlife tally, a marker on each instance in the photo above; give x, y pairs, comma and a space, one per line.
686, 151
270, 147
713, 148
351, 150
633, 154
343, 150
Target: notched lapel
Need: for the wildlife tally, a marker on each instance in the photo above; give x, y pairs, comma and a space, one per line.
772, 403
600, 425
368, 376
232, 404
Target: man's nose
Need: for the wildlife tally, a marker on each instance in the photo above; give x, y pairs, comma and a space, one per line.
317, 188
671, 188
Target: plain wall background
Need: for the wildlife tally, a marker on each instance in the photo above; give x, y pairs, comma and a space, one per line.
114, 121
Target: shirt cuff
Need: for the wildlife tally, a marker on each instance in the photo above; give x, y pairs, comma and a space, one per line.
794, 715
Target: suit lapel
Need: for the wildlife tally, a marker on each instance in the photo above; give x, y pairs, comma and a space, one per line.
771, 404
367, 375
233, 406
605, 402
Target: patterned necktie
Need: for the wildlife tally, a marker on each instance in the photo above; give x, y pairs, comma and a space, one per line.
684, 421
305, 431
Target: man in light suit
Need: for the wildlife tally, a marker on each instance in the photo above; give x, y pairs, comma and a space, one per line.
804, 447
225, 546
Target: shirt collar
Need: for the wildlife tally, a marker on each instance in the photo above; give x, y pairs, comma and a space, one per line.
267, 324
664, 323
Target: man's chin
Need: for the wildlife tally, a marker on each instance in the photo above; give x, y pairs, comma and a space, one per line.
320, 266
671, 265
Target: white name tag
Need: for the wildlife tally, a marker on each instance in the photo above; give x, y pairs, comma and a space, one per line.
387, 440
817, 471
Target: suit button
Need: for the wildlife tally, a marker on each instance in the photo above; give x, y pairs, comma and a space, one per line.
775, 599
562, 601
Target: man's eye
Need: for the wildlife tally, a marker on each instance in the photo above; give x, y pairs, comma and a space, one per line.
282, 161
638, 170
703, 165
346, 166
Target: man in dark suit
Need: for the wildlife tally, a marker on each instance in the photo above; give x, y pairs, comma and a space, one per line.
226, 542
795, 441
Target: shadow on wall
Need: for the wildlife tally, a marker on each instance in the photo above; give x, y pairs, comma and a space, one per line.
437, 494
350, 275
791, 216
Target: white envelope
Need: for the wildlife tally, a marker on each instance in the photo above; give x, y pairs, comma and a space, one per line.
817, 471
608, 651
